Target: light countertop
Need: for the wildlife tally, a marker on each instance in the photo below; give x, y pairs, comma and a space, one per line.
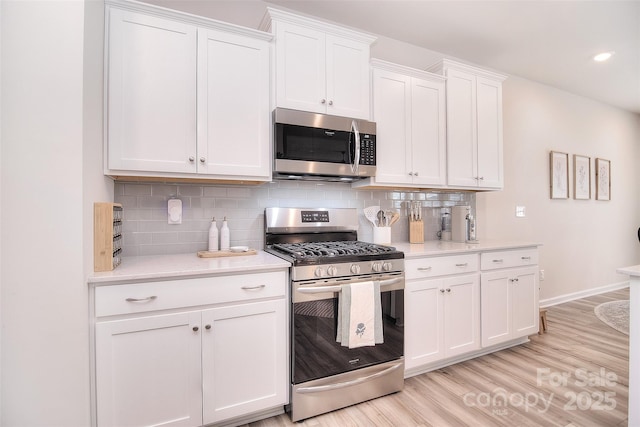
185, 266
439, 247
633, 271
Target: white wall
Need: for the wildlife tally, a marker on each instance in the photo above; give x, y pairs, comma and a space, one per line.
47, 153
584, 240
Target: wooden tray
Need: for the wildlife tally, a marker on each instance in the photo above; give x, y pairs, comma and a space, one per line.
217, 254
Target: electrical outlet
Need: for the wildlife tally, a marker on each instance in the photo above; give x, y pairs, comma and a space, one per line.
541, 275
520, 211
174, 211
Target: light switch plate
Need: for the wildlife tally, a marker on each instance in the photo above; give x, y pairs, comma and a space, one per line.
174, 211
520, 211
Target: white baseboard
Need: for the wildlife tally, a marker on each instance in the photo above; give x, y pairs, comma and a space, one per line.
582, 294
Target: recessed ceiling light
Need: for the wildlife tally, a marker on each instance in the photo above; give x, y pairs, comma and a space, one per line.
601, 57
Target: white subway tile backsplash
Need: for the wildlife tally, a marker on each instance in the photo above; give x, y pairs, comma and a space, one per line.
146, 231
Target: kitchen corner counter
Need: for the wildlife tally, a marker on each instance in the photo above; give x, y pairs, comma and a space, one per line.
439, 247
144, 268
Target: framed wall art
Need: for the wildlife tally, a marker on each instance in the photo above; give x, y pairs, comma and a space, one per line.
559, 174
581, 177
603, 179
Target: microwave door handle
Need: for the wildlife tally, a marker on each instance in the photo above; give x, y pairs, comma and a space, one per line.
356, 160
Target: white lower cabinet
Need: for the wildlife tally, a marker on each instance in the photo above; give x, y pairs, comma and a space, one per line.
191, 367
442, 317
509, 304
243, 367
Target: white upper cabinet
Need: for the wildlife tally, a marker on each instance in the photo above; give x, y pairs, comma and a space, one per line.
319, 67
151, 98
186, 97
474, 126
409, 111
233, 105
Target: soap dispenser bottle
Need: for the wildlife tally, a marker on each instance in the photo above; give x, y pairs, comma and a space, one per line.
224, 236
213, 236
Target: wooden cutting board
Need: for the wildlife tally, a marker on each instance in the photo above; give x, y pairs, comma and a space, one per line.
217, 254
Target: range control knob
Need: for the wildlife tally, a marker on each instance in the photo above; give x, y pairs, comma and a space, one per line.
332, 271
355, 269
387, 266
377, 267
318, 272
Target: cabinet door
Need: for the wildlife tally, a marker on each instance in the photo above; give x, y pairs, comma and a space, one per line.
489, 116
151, 93
461, 129
428, 144
347, 75
392, 113
496, 306
300, 68
525, 309
233, 105
244, 359
461, 314
423, 326
148, 371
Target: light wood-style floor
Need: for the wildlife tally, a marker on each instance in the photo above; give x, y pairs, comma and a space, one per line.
574, 375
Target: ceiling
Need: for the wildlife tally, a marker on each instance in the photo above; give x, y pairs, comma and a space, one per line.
551, 42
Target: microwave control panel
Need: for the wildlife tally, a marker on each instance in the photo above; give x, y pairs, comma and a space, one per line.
367, 149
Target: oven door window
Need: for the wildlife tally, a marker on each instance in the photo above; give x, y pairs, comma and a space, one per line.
315, 145
316, 354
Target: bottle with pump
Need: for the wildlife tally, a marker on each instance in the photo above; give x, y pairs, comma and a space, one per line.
224, 236
213, 236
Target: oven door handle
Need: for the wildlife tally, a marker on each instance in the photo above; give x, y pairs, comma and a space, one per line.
361, 380
338, 288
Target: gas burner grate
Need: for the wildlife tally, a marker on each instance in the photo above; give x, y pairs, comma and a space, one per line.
331, 249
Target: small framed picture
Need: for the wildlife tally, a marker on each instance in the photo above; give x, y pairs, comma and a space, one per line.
581, 177
603, 179
559, 174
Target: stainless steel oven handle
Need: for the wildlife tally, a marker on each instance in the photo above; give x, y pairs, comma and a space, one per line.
336, 386
338, 288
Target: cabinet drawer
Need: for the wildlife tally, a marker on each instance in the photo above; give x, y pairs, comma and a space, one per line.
506, 259
440, 266
152, 296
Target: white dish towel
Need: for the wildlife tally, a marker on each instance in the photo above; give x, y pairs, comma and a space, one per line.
360, 315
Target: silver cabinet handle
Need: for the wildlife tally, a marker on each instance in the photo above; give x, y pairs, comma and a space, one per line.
424, 268
147, 299
462, 265
348, 383
191, 158
498, 260
253, 288
526, 258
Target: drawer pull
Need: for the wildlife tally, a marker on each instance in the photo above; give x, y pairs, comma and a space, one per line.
147, 299
498, 260
526, 258
253, 288
462, 265
424, 268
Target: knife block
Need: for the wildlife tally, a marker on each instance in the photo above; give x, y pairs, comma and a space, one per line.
416, 231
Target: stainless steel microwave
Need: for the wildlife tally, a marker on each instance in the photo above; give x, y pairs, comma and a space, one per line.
322, 147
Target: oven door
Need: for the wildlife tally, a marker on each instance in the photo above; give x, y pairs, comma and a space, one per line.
315, 352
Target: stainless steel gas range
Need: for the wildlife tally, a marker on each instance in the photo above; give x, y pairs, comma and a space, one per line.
323, 248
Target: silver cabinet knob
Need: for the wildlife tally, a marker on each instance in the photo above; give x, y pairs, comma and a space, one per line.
195, 329
415, 174
323, 101
202, 160
330, 102
448, 289
207, 327
410, 173
442, 291
191, 158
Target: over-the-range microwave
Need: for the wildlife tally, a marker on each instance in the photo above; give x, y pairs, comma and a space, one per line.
322, 147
